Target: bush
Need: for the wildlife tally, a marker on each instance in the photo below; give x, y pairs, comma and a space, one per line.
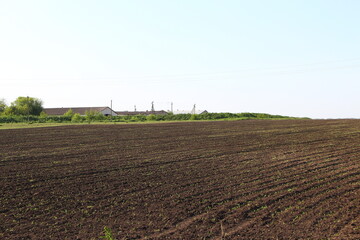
69, 113
140, 118
90, 116
11, 119
99, 117
58, 119
43, 117
193, 117
76, 118
151, 117
94, 116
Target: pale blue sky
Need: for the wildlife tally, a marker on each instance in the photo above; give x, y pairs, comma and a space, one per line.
298, 58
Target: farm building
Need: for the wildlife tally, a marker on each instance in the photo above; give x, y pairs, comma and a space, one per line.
80, 110
190, 112
132, 113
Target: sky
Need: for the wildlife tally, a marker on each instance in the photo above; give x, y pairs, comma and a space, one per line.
296, 58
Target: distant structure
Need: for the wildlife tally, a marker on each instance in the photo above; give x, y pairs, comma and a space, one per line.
106, 111
152, 106
190, 112
193, 111
130, 113
135, 112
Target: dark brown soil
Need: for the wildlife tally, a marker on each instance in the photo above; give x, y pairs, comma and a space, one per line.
258, 179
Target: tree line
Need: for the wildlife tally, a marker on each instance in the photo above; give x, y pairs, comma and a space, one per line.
22, 106
29, 109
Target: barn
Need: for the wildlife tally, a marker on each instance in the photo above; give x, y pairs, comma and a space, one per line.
132, 113
106, 111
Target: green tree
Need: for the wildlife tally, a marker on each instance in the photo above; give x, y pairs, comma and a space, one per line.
43, 117
43, 114
151, 117
76, 118
69, 113
25, 106
90, 116
100, 116
3, 106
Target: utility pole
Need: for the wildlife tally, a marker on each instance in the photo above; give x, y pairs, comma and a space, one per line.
172, 107
111, 110
28, 108
135, 108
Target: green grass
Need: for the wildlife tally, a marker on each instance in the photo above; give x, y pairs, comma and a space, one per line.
30, 125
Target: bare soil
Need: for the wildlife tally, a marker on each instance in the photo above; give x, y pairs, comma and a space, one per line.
253, 179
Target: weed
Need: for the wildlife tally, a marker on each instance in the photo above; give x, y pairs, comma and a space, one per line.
108, 234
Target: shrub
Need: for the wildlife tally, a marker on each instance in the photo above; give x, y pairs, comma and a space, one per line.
58, 119
193, 117
43, 117
69, 113
90, 116
76, 118
140, 118
100, 117
43, 114
151, 117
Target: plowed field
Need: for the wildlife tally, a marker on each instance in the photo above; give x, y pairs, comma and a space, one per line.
256, 179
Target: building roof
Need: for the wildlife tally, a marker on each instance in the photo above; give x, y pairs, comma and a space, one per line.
132, 113
79, 110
